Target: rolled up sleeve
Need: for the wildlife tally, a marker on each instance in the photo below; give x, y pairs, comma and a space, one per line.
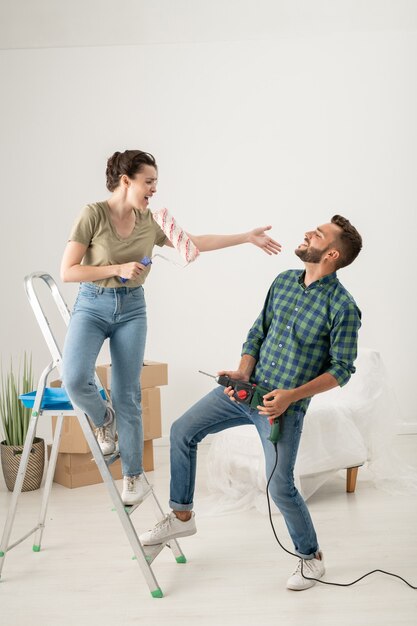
344, 344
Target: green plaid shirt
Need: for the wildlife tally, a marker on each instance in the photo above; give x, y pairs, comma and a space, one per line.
303, 332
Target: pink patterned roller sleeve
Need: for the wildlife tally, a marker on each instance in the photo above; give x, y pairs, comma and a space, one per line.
177, 236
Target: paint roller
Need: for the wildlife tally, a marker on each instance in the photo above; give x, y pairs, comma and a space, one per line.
177, 236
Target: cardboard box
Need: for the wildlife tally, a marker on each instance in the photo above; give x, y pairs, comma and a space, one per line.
147, 460
80, 470
151, 413
154, 374
72, 436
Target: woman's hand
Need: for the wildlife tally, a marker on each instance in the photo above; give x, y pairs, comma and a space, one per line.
259, 238
130, 270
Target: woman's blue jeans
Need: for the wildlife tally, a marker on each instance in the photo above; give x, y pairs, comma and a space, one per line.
216, 412
119, 315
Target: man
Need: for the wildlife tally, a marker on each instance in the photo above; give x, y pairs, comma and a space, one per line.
304, 342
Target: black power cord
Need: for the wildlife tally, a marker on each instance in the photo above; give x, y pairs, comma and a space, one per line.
318, 580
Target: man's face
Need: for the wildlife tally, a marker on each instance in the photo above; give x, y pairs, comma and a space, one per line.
317, 243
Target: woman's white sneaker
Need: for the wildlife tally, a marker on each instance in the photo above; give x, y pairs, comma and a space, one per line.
135, 489
106, 434
170, 527
106, 439
312, 568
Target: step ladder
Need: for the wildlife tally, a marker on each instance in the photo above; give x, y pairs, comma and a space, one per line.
144, 555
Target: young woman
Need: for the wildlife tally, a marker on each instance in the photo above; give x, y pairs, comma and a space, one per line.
105, 245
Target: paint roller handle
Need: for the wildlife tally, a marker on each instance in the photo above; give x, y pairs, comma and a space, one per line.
145, 261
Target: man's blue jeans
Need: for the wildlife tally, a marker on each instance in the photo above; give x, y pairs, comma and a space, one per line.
120, 315
216, 412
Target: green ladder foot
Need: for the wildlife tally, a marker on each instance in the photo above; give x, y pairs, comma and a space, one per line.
126, 508
147, 557
157, 593
1, 554
36, 548
181, 559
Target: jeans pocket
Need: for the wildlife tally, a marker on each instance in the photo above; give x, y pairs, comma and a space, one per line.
137, 293
87, 292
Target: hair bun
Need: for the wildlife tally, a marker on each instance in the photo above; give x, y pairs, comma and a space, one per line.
128, 163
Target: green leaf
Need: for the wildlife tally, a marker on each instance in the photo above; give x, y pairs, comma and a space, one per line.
14, 417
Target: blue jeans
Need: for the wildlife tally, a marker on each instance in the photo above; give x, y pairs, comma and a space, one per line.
216, 412
119, 315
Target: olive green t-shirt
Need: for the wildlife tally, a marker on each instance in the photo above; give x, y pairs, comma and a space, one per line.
105, 246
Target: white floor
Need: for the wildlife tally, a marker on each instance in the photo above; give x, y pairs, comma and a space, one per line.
235, 574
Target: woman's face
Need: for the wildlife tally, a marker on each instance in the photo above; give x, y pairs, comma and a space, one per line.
141, 187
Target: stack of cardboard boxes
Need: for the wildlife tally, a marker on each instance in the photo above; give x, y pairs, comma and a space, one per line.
75, 465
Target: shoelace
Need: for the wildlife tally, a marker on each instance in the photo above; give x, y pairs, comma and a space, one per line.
103, 433
298, 568
163, 524
306, 566
131, 483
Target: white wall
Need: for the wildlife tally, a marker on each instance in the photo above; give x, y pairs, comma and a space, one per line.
257, 113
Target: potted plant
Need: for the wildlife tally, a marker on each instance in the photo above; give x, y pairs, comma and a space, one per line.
15, 421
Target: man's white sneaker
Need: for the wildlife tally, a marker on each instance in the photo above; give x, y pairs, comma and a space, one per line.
135, 488
312, 568
106, 434
170, 527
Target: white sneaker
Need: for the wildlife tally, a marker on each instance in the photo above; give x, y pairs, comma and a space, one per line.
170, 527
135, 489
312, 568
106, 434
106, 440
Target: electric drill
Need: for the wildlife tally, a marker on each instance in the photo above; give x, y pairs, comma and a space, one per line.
250, 394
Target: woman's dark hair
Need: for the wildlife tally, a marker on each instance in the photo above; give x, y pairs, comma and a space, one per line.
129, 162
349, 240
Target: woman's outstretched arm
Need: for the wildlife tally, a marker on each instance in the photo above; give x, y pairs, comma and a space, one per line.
258, 237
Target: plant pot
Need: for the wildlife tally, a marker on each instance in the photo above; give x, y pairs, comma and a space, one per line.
10, 461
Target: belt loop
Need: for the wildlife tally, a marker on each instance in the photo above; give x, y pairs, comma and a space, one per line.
99, 290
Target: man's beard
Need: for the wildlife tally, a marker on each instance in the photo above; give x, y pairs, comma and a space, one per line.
309, 254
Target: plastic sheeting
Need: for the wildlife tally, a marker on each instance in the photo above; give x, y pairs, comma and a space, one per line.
345, 427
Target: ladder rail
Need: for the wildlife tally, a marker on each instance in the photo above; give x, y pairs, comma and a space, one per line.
34, 301
119, 506
48, 482
4, 547
40, 315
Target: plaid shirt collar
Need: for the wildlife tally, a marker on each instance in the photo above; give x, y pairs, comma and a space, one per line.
325, 280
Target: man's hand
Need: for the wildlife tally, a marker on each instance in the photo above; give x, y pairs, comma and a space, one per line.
237, 375
276, 403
